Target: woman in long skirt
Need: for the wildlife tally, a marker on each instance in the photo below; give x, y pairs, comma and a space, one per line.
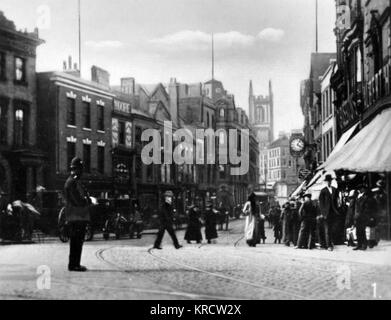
193, 232
251, 226
210, 223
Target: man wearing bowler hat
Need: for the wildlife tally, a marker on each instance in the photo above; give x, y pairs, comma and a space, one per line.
166, 222
77, 214
307, 214
328, 204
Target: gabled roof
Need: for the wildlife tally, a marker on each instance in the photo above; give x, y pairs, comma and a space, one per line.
319, 63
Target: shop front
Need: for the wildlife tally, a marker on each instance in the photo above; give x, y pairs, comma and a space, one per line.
366, 158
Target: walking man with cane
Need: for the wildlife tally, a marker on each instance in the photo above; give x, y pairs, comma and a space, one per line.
166, 222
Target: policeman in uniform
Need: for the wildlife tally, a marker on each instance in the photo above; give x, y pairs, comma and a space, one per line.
166, 222
77, 214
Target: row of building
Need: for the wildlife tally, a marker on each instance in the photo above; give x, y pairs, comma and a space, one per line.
347, 98
48, 118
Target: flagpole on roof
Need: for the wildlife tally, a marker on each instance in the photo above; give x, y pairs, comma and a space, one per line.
213, 57
79, 17
316, 26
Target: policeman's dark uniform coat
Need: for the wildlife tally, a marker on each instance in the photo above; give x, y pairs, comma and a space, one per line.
166, 223
307, 213
328, 205
77, 214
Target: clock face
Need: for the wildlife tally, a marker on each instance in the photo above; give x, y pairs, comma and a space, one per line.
297, 145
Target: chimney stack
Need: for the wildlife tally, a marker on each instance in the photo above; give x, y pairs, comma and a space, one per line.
100, 76
128, 86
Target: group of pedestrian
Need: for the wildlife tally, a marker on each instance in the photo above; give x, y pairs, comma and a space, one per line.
330, 220
302, 223
195, 223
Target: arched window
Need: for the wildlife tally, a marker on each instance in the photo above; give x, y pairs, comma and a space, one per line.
19, 126
262, 114
222, 112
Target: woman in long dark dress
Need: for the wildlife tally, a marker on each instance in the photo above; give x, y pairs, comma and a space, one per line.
193, 232
210, 223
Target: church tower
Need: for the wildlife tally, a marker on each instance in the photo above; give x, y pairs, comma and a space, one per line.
261, 110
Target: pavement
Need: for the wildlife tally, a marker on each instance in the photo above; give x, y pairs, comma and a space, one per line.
229, 269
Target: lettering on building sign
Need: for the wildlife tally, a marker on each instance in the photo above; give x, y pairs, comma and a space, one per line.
128, 134
114, 129
122, 107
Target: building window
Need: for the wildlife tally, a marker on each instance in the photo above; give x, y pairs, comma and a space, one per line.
101, 160
19, 127
87, 157
2, 66
138, 134
121, 133
71, 152
86, 115
222, 172
207, 121
3, 121
222, 113
71, 112
20, 69
101, 118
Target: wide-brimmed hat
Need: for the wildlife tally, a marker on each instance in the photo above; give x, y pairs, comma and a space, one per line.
76, 163
328, 178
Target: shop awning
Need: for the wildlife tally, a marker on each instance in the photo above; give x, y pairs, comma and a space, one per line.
315, 186
298, 190
369, 150
338, 147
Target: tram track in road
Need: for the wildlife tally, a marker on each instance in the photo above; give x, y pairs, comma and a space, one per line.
224, 277
190, 295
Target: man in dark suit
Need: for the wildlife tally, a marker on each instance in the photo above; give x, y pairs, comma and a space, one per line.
328, 205
365, 213
77, 214
307, 214
166, 222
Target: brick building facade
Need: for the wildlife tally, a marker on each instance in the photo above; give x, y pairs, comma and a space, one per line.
21, 160
74, 119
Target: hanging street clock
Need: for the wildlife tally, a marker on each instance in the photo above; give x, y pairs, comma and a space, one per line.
297, 146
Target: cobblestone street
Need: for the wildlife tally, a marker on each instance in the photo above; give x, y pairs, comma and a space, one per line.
228, 270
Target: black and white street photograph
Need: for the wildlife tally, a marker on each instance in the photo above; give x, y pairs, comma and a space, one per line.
177, 151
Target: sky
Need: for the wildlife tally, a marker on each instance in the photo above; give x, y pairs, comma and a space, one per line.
155, 40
